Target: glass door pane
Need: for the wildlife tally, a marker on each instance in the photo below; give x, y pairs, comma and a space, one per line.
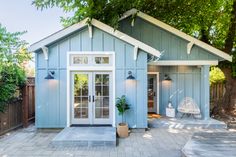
102, 96
81, 96
151, 93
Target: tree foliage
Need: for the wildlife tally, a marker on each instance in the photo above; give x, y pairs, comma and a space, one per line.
216, 75
13, 56
207, 20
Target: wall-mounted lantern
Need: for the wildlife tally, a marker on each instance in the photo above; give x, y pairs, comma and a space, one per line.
167, 78
130, 77
50, 75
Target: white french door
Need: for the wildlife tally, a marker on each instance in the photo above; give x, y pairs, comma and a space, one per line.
91, 98
153, 92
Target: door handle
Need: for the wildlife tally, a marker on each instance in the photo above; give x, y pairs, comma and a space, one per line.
90, 98
93, 98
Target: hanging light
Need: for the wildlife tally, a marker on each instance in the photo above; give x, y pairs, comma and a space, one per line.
50, 75
130, 77
167, 78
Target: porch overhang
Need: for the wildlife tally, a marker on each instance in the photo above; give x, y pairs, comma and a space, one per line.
184, 62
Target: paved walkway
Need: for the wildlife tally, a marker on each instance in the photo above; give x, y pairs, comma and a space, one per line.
208, 144
156, 142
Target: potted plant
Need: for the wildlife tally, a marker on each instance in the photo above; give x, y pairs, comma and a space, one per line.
122, 106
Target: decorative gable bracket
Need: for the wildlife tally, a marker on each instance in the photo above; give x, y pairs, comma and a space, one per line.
135, 52
45, 52
90, 29
189, 47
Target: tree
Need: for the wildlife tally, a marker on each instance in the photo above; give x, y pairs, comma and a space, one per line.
216, 75
212, 21
13, 55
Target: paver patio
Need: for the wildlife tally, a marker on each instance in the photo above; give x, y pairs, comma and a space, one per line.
158, 142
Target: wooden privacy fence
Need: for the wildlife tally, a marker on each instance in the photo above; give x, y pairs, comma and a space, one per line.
19, 111
12, 117
28, 106
216, 93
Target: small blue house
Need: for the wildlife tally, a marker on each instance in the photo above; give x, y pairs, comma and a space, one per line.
82, 69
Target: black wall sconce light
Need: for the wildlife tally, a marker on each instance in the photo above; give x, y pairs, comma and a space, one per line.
130, 77
50, 75
167, 78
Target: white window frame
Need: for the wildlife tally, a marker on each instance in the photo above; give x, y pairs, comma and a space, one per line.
90, 67
110, 60
80, 55
91, 59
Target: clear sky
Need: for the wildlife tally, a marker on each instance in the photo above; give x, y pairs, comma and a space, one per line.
20, 15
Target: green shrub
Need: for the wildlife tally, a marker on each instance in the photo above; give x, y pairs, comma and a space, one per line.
216, 75
122, 106
13, 57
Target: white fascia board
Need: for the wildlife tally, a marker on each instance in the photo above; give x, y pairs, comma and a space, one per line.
52, 38
178, 33
58, 35
184, 62
125, 37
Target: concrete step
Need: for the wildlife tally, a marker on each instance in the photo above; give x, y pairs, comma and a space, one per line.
85, 137
185, 123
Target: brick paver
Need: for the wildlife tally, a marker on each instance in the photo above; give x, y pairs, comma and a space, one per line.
157, 142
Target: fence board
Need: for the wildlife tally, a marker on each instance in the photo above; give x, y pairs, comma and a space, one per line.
216, 93
19, 111
12, 117
28, 102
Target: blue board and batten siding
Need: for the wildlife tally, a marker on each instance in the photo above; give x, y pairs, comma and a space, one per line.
172, 46
51, 94
187, 81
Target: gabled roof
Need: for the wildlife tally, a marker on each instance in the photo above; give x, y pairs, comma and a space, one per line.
177, 32
69, 30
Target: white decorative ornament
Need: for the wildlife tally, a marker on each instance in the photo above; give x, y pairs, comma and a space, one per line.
135, 52
189, 47
45, 52
90, 30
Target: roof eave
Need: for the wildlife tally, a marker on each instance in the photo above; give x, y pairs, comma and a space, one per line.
110, 30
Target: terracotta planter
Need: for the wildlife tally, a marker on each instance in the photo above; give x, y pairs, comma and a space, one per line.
123, 130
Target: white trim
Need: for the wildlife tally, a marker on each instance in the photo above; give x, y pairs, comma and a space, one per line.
114, 90
70, 69
157, 91
56, 36
90, 68
91, 52
184, 62
177, 32
68, 92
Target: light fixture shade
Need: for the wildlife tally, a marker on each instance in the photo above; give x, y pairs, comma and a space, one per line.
167, 78
50, 75
130, 77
